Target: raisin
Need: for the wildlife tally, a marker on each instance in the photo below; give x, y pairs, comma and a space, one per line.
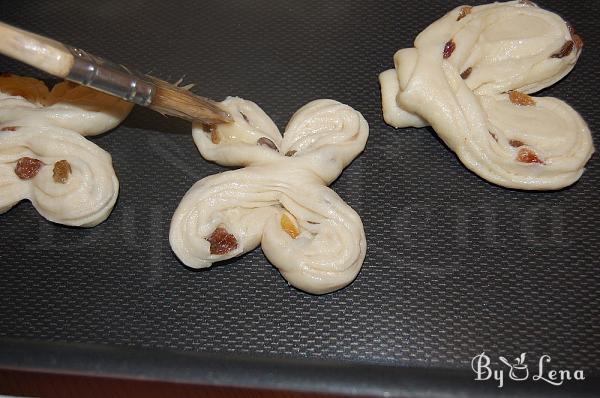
515, 143
578, 41
221, 241
27, 168
526, 155
565, 50
61, 172
291, 153
519, 98
289, 227
264, 141
8, 128
464, 12
493, 136
466, 73
212, 130
215, 138
245, 117
449, 48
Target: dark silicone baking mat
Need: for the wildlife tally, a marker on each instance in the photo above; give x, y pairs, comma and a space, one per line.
455, 266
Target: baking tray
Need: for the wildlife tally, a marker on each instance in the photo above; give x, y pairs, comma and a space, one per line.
455, 266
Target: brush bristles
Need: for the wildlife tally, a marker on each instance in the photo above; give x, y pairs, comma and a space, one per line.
177, 101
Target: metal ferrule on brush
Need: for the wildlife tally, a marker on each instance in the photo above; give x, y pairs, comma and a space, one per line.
110, 78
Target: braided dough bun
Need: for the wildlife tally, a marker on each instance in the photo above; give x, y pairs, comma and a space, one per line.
468, 77
281, 199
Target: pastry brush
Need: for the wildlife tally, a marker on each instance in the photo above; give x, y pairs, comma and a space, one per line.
78, 66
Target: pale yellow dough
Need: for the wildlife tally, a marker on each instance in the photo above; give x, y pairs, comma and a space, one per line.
320, 140
48, 126
498, 48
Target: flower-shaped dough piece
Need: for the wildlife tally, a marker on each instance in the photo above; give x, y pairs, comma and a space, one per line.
67, 105
45, 159
469, 76
281, 199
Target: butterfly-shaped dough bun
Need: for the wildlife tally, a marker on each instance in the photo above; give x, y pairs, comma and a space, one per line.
280, 199
469, 76
45, 159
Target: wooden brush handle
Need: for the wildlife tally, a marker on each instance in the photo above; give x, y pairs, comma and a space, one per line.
75, 65
38, 51
78, 66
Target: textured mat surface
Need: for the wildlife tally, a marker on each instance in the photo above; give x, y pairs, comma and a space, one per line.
454, 266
